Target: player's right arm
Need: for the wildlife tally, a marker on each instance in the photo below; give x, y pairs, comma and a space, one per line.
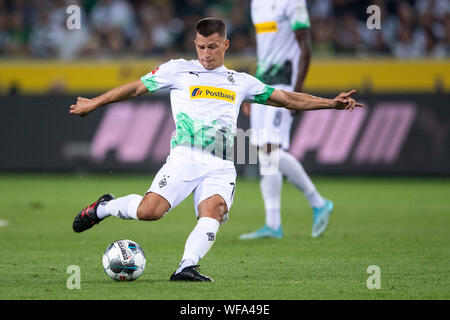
159, 78
84, 106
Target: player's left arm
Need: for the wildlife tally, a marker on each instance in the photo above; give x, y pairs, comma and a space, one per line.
303, 101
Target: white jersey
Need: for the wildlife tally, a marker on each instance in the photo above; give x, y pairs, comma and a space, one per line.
205, 103
278, 51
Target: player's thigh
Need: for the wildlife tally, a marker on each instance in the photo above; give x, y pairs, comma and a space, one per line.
281, 119
270, 125
257, 116
285, 128
214, 195
171, 185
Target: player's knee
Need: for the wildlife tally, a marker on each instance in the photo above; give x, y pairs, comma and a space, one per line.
215, 208
222, 213
224, 218
221, 210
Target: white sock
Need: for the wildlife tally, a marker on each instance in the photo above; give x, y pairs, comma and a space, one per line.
123, 207
199, 242
273, 218
296, 175
315, 199
271, 193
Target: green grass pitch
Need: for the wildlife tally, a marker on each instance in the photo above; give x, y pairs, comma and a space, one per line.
401, 225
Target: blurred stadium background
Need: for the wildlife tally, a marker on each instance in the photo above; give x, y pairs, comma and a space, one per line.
401, 72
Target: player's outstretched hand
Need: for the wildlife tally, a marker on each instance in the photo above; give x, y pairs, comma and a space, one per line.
344, 101
83, 107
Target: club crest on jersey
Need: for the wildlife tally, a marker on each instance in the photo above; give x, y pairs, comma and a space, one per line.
230, 78
204, 92
154, 70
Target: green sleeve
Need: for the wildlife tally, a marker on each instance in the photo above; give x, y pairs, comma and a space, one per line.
150, 82
300, 25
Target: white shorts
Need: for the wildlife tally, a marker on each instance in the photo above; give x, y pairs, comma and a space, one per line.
187, 171
271, 125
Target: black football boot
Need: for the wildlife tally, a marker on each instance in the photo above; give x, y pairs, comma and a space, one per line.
190, 274
87, 218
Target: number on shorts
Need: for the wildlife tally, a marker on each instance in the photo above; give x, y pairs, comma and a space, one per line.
277, 118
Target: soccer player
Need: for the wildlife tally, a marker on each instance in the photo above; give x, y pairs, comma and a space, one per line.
205, 98
283, 52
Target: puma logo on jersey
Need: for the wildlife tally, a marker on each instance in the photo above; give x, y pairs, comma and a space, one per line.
204, 92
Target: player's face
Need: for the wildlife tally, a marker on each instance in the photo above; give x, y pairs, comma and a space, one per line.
211, 50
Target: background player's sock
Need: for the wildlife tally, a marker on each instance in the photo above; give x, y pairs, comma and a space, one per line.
296, 175
271, 193
199, 242
123, 207
315, 199
273, 218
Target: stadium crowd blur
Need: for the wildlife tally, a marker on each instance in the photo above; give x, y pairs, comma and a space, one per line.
143, 28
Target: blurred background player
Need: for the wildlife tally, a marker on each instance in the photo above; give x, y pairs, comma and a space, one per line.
283, 52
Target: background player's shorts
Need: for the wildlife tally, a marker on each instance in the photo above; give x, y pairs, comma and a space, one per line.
187, 171
271, 125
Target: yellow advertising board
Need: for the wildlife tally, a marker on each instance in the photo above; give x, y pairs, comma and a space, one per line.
378, 75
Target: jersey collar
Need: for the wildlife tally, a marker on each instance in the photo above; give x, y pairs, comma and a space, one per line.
221, 68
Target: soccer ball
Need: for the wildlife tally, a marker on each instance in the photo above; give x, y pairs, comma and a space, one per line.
124, 260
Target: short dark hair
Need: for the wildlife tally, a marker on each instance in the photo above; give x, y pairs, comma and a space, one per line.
209, 26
